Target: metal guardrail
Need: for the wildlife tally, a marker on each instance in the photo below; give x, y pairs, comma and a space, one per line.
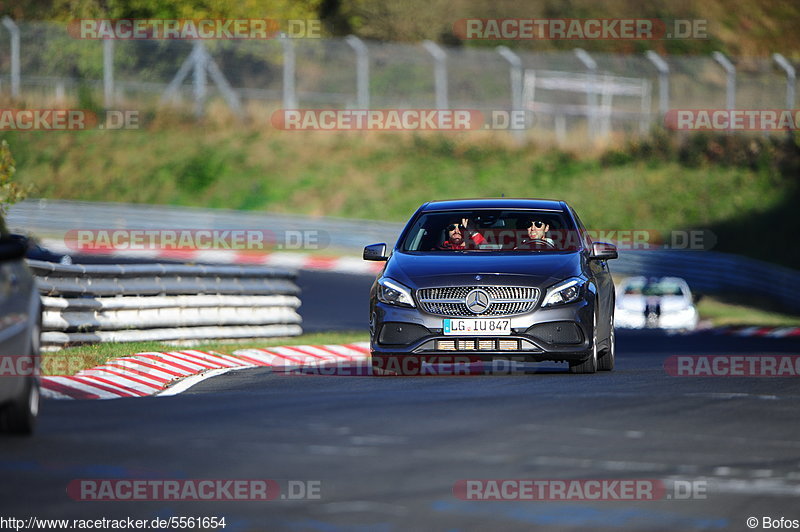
142, 302
58, 216
713, 272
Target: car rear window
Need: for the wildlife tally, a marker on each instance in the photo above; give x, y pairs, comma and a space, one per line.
658, 288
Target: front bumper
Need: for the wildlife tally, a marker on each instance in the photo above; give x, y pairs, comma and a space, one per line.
527, 341
627, 319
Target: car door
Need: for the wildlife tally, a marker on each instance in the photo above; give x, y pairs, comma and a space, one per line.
17, 290
605, 284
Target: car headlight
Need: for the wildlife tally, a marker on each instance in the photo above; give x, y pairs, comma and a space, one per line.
393, 293
564, 292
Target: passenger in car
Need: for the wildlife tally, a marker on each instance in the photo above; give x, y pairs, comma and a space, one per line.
455, 232
537, 234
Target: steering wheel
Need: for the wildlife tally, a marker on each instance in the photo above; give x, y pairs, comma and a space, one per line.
537, 242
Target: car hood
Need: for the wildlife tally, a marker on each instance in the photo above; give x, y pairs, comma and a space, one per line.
435, 269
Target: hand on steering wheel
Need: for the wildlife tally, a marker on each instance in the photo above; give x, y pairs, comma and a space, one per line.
537, 242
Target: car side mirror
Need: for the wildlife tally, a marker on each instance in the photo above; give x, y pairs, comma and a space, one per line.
375, 252
603, 251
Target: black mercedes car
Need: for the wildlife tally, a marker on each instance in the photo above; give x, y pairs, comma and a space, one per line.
516, 279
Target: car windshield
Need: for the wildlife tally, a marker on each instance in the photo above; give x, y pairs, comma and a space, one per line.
497, 230
658, 288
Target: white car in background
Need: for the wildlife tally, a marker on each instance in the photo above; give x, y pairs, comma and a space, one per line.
655, 302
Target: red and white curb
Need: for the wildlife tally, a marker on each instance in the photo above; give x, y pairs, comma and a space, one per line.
281, 259
156, 373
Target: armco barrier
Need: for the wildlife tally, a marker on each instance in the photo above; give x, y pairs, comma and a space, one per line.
141, 302
712, 272
56, 217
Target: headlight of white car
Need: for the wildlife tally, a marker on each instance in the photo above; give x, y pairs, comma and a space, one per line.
394, 293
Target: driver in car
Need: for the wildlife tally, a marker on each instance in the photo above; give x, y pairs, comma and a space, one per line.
537, 235
455, 235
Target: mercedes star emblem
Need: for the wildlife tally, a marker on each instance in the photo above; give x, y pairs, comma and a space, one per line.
477, 301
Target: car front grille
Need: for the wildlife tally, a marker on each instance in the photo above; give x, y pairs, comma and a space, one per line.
478, 344
452, 300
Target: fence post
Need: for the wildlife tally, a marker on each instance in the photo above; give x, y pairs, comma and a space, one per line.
730, 71
515, 73
591, 95
13, 29
289, 94
440, 72
663, 81
108, 73
200, 85
791, 76
362, 70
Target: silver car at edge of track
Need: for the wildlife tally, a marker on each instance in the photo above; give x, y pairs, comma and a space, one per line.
656, 302
20, 329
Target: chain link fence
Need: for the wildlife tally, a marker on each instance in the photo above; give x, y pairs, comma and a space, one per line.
41, 63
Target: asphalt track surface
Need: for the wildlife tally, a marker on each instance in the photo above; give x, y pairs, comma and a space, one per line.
387, 451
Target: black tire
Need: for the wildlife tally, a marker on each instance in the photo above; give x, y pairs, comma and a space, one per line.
379, 364
19, 417
590, 364
606, 362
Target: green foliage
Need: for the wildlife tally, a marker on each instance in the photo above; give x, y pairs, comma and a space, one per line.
753, 28
733, 185
10, 191
65, 10
201, 170
776, 155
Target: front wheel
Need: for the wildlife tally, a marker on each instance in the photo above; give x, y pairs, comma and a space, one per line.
606, 362
379, 367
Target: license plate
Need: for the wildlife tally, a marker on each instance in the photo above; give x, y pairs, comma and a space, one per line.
476, 326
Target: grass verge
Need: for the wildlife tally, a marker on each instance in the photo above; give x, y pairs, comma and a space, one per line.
724, 312
741, 188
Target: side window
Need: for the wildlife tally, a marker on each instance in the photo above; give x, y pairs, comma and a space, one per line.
585, 236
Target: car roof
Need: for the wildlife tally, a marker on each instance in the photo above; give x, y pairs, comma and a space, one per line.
657, 280
495, 203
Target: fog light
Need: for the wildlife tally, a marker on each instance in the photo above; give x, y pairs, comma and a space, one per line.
486, 345
446, 345
466, 345
507, 345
